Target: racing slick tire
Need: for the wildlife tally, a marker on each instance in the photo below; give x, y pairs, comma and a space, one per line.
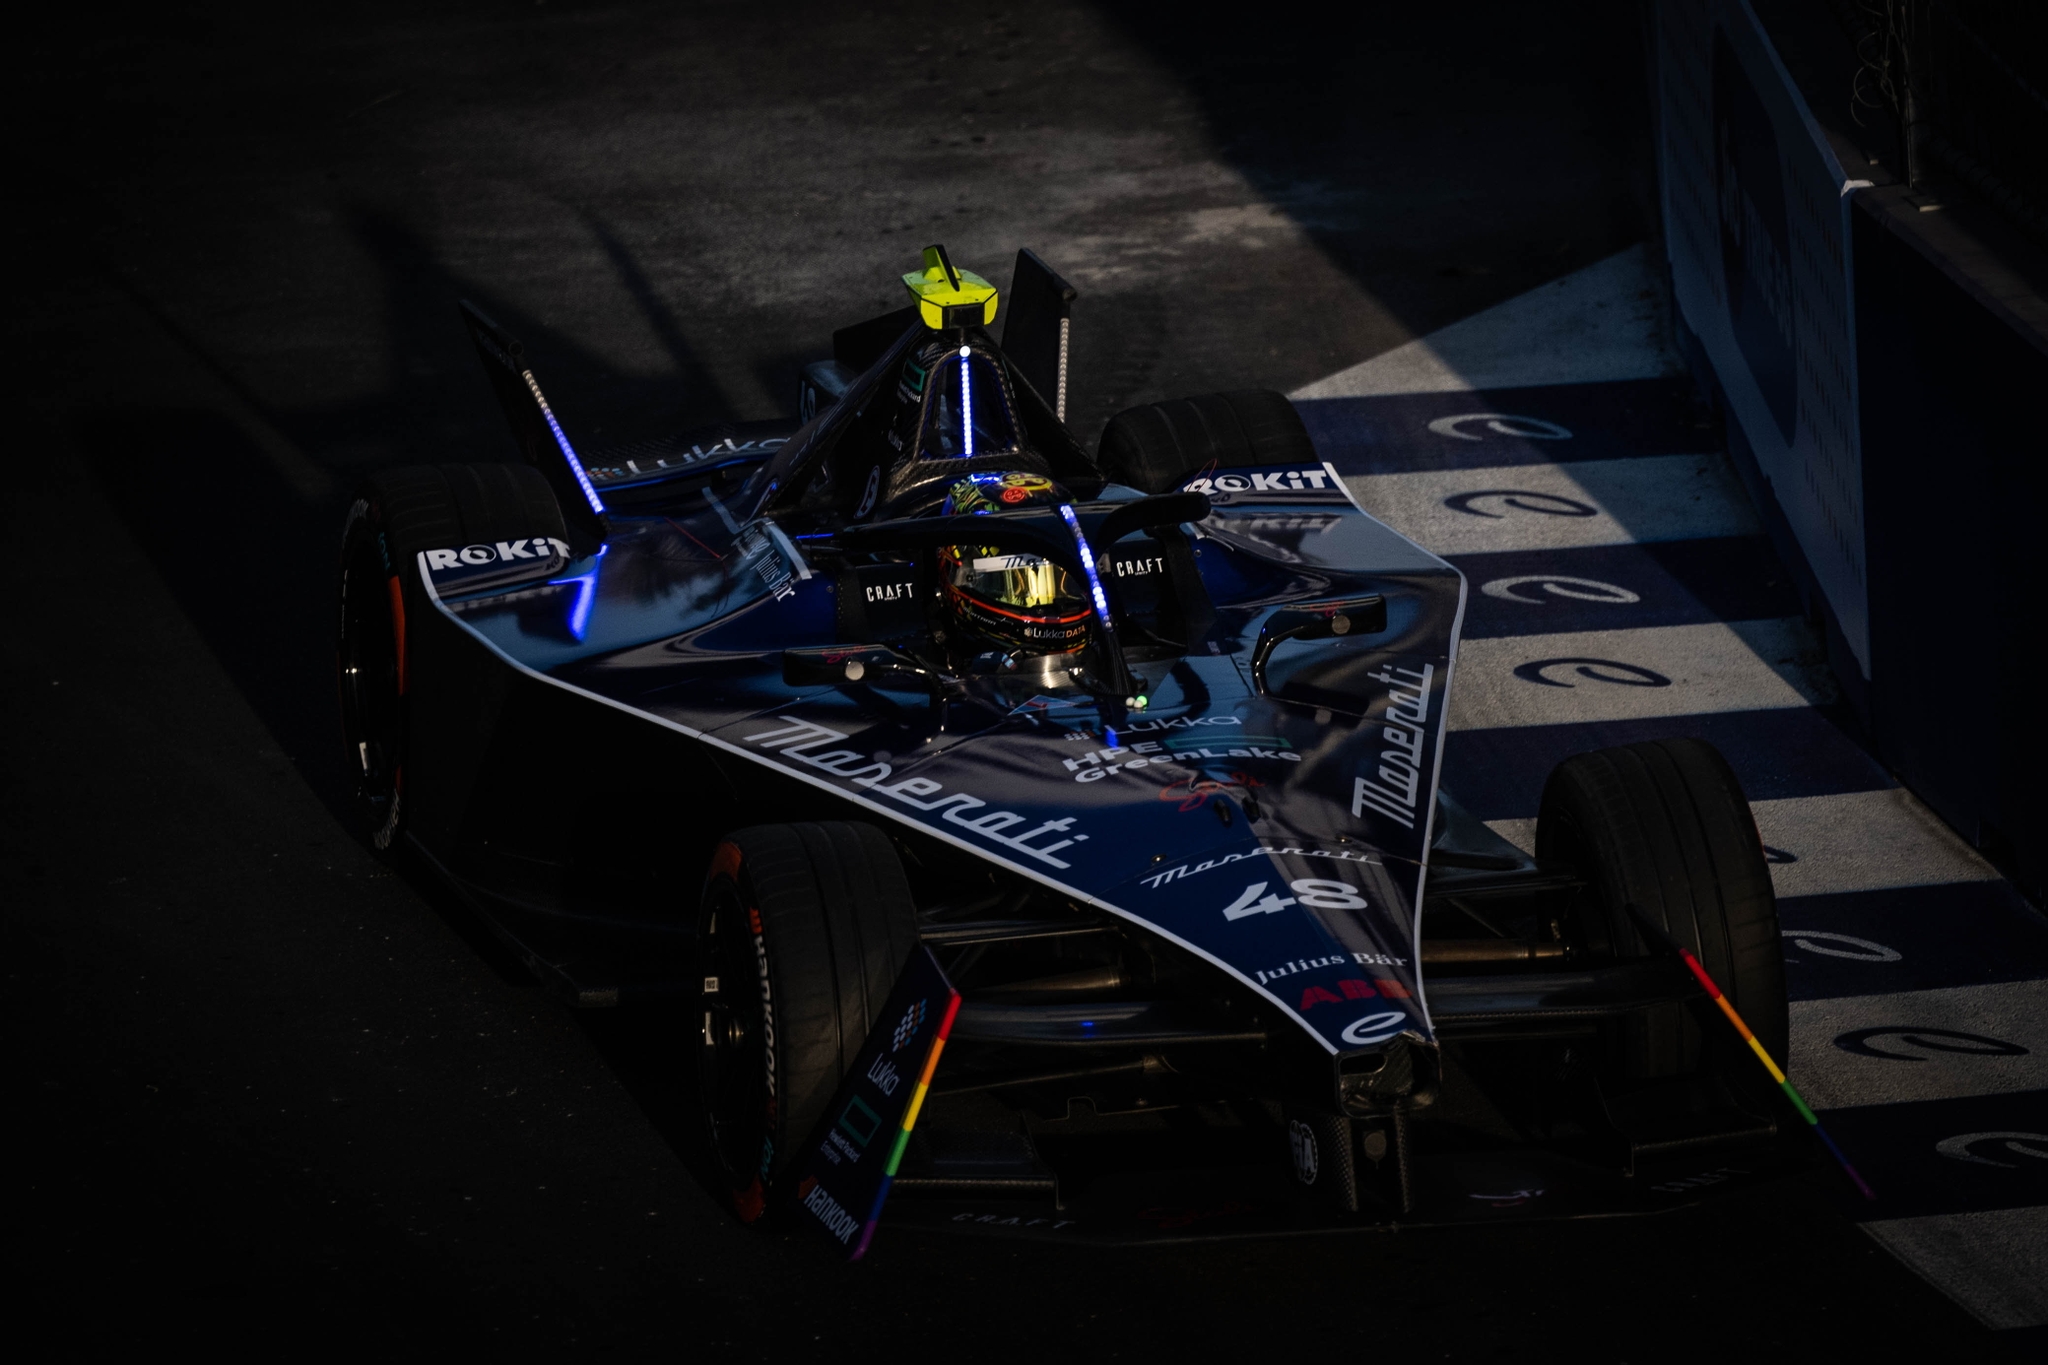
803, 929
1664, 824
396, 514
1154, 447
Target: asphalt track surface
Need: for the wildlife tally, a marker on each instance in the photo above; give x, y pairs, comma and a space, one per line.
271, 1093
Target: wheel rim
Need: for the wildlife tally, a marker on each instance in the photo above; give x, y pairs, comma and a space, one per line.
372, 709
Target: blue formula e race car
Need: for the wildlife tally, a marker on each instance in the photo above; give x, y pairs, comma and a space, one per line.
1139, 749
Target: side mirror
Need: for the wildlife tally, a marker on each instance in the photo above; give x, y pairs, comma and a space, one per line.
1325, 618
865, 665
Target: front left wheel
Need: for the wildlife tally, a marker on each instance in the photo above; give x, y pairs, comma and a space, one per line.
803, 930
397, 514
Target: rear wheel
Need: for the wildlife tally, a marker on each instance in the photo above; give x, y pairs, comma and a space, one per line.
1155, 447
804, 929
398, 513
1664, 825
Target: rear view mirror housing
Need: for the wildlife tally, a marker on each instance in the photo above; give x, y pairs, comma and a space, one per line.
1326, 618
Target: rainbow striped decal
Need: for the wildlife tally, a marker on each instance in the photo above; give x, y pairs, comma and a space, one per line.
1798, 1101
924, 1084
851, 1159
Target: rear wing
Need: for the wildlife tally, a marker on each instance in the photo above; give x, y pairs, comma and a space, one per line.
1035, 331
542, 443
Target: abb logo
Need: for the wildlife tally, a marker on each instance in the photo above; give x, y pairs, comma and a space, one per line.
504, 551
1351, 988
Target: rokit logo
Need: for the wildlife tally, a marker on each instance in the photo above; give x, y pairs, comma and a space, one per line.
1304, 480
537, 549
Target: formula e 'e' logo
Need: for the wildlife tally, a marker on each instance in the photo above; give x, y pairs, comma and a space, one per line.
1501, 424
537, 548
1374, 1028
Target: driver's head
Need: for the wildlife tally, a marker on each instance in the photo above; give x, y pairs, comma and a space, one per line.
1016, 602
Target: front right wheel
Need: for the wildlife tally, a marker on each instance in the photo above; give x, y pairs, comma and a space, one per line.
803, 930
1664, 826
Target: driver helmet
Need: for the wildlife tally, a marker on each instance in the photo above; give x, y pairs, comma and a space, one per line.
1019, 602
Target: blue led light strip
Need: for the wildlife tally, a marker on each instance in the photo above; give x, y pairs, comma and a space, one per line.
586, 596
966, 405
1087, 563
575, 465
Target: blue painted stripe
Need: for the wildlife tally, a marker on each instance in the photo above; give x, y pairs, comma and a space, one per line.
1796, 751
1675, 583
1391, 435
1954, 934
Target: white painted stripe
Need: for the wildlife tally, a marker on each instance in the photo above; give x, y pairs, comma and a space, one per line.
1993, 1264
1939, 1066
1863, 841
1562, 506
1853, 841
1710, 667
1596, 325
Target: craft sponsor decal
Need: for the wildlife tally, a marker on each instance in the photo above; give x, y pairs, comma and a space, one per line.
1501, 424
1397, 788
796, 739
537, 548
1159, 879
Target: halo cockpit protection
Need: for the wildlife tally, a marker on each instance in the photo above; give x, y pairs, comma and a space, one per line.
1019, 602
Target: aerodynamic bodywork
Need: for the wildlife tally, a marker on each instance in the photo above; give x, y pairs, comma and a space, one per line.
1140, 748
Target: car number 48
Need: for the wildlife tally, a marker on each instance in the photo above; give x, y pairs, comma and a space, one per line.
1320, 895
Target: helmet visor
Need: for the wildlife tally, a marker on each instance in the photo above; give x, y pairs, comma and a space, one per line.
1024, 583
